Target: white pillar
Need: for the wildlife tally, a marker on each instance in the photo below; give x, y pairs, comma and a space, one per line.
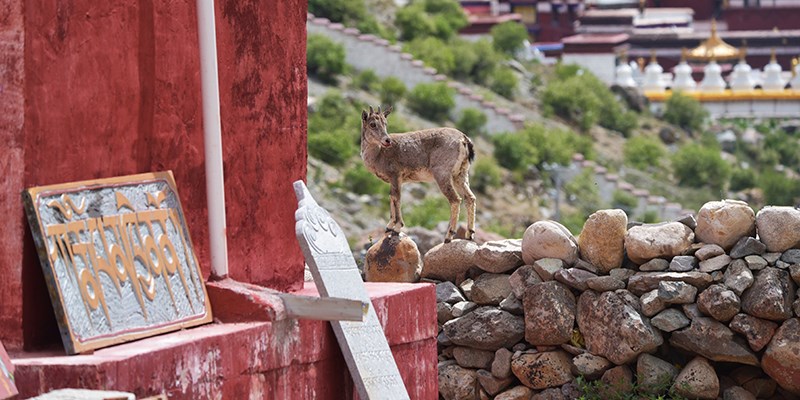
212, 136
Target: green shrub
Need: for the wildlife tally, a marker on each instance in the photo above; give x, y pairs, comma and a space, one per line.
535, 145
486, 60
514, 151
643, 152
331, 148
743, 178
392, 91
684, 111
359, 180
472, 122
582, 98
509, 37
367, 80
620, 120
466, 58
434, 52
504, 82
697, 166
779, 189
428, 213
335, 115
486, 175
786, 147
433, 101
324, 58
424, 18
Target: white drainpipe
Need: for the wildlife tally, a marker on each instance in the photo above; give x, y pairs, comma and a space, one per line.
212, 135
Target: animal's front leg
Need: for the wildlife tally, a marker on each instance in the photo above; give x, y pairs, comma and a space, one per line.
394, 206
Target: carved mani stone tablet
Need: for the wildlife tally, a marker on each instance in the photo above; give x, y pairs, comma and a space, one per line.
363, 344
117, 258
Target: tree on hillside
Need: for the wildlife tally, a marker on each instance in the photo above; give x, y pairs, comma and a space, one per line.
509, 37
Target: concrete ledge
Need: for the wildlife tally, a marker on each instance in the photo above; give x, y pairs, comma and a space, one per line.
288, 359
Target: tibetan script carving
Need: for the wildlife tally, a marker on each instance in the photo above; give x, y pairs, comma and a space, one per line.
118, 259
363, 344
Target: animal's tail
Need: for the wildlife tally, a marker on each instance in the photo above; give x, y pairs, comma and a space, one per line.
470, 149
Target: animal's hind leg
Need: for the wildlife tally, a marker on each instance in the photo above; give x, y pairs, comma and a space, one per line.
462, 186
449, 191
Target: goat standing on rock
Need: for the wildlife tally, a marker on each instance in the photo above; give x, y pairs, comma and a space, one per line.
442, 155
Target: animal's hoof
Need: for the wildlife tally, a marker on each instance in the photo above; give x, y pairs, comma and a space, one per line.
471, 235
448, 240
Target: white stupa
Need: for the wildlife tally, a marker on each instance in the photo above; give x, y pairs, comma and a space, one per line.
712, 78
742, 77
653, 80
773, 81
683, 77
624, 74
795, 82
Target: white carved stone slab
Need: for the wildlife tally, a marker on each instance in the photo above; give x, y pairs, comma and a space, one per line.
363, 344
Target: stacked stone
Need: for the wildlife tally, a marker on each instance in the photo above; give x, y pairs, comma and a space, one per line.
700, 308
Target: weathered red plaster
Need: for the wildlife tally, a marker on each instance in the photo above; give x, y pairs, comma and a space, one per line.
263, 90
12, 101
97, 89
288, 359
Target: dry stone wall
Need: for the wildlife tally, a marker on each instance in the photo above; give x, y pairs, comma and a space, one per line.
703, 307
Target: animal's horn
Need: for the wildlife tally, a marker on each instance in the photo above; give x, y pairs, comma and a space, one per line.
371, 111
379, 110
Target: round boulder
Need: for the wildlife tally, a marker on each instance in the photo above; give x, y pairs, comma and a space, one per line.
549, 239
449, 261
665, 240
725, 222
499, 256
394, 258
602, 240
779, 228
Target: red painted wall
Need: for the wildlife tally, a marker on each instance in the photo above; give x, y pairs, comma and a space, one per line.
97, 89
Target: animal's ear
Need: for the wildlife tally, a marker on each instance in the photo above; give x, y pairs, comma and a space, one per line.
387, 111
363, 115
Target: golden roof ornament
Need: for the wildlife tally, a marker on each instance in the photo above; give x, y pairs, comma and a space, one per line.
713, 48
773, 57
